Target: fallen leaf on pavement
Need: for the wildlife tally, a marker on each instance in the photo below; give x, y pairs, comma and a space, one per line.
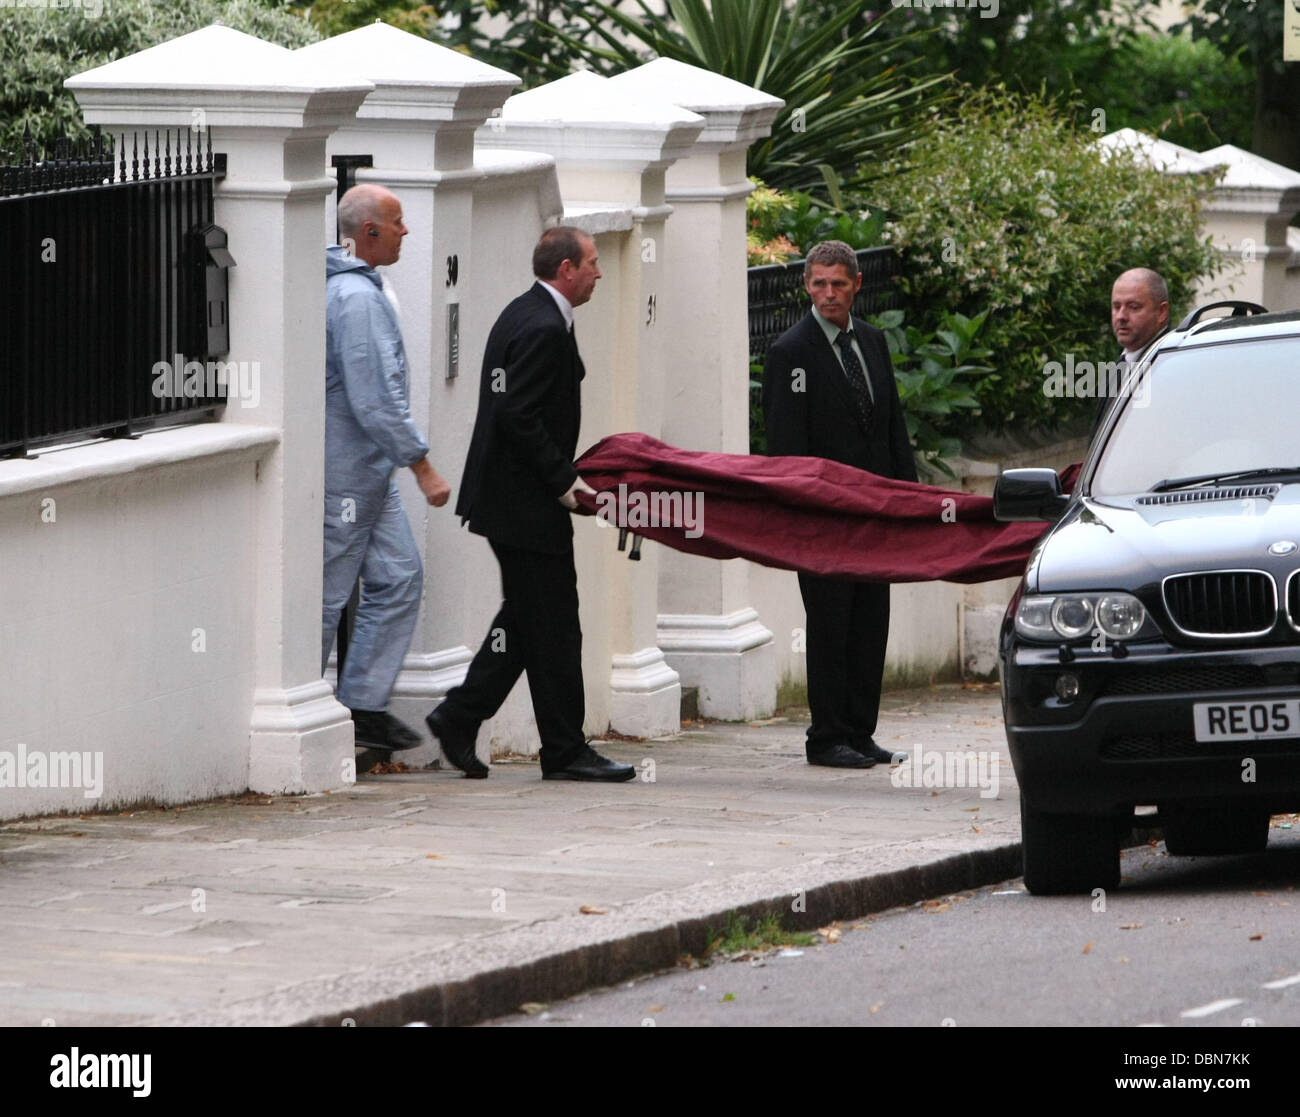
1256, 938
655, 1008
1087, 947
587, 909
935, 906
533, 1007
1130, 926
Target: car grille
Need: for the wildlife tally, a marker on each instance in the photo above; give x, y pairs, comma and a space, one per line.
1183, 746
1198, 496
1293, 600
1240, 677
1222, 603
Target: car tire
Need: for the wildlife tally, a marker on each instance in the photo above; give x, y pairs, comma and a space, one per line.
1214, 831
1065, 853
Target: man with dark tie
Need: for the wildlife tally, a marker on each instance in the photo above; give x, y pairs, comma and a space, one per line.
518, 490
829, 392
1139, 314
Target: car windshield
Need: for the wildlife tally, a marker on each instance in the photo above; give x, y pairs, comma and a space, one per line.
1210, 411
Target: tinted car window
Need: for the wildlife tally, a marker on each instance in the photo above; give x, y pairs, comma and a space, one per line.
1216, 409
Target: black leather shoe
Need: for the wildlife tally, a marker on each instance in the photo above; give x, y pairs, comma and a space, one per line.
840, 756
592, 767
378, 729
457, 745
873, 751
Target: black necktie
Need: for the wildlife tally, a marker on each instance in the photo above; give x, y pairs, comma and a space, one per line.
856, 378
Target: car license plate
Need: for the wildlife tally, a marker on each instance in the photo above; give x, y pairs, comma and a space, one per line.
1246, 721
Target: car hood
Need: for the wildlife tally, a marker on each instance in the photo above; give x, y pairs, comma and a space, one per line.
1121, 544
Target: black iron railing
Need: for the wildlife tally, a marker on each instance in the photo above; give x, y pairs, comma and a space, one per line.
777, 299
109, 257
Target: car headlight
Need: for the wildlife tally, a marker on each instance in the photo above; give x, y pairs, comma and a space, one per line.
1072, 616
1034, 618
1120, 615
1075, 616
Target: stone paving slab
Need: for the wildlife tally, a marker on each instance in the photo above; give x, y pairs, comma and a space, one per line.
425, 896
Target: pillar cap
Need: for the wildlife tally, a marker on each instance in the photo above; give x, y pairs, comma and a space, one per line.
586, 120
1159, 154
735, 114
414, 79
237, 80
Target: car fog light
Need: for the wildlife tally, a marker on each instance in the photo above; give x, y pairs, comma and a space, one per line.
1067, 687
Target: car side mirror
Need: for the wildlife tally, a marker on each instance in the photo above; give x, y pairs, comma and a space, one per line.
1022, 495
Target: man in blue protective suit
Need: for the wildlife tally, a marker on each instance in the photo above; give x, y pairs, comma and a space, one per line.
368, 435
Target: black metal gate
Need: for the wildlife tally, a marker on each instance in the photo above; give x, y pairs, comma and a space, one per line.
114, 269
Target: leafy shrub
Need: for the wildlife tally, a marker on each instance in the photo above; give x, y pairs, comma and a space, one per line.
932, 370
41, 47
784, 225
1006, 207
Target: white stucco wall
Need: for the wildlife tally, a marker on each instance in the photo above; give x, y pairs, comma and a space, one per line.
127, 629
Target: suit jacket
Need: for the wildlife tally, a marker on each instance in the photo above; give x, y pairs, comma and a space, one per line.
821, 420
520, 458
1105, 402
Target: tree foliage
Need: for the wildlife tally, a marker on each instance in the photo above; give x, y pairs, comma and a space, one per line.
42, 47
1253, 28
847, 102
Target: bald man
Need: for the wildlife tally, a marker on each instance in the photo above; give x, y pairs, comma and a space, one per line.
1139, 313
369, 434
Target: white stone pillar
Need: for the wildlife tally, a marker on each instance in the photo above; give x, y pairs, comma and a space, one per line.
612, 148
418, 126
1248, 215
708, 628
270, 112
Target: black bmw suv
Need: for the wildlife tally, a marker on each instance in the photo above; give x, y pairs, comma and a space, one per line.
1150, 657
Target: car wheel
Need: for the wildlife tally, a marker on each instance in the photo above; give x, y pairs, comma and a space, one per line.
1068, 853
1210, 831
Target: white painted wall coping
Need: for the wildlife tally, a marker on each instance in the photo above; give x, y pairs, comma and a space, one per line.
504, 169
414, 79
594, 218
119, 457
735, 114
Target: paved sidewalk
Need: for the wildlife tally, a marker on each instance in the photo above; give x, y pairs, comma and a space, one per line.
425, 896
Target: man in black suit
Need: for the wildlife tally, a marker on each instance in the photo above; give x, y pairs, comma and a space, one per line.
518, 490
829, 392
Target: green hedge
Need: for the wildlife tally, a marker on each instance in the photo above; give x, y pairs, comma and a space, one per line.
1007, 207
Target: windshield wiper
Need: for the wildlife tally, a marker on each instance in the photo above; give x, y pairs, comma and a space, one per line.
1180, 482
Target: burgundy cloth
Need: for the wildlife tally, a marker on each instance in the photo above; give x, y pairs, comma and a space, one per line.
810, 514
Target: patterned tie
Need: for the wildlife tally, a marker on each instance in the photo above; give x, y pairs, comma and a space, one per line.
856, 378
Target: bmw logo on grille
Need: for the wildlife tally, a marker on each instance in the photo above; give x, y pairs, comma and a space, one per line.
1281, 547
